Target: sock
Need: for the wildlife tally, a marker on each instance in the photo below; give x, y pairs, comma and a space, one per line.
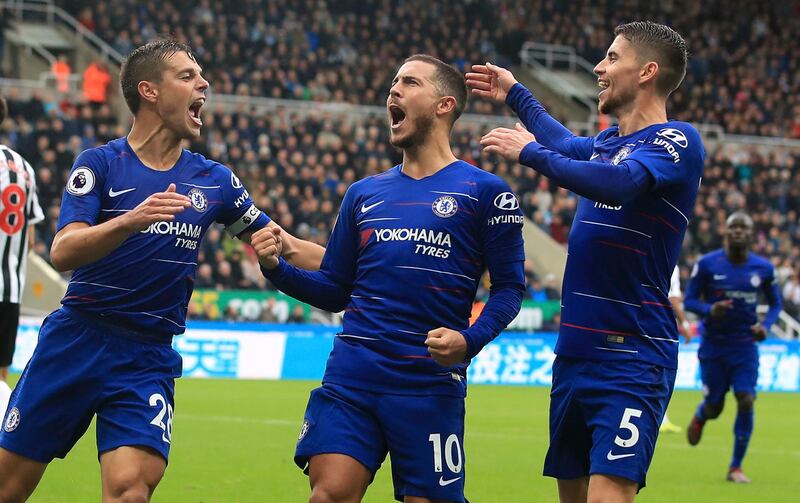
700, 414
5, 395
742, 429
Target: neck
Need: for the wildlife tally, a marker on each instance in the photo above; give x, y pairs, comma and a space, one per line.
155, 145
645, 110
736, 255
426, 159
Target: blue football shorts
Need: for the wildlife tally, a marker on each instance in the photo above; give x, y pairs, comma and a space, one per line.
83, 367
604, 417
423, 434
736, 368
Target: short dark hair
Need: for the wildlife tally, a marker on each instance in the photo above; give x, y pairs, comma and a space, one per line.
147, 63
664, 45
448, 81
3, 109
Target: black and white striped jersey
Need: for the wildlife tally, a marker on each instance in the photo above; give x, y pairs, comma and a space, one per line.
19, 208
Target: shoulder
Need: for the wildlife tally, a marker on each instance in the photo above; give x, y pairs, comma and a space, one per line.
483, 180
369, 183
680, 134
762, 262
607, 133
711, 257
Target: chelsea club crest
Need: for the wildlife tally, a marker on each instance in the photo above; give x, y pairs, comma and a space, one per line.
445, 206
198, 199
620, 155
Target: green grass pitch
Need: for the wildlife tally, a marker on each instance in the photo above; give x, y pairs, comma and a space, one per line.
233, 442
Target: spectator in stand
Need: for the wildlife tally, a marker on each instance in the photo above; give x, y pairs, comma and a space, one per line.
298, 314
61, 72
96, 80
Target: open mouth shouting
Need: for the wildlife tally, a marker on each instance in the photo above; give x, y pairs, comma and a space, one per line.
396, 116
194, 111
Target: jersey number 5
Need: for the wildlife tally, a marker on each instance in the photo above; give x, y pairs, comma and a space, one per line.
12, 202
626, 424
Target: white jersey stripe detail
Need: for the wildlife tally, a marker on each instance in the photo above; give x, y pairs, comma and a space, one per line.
606, 298
436, 271
619, 350
659, 338
412, 333
366, 297
162, 318
357, 337
376, 220
102, 285
200, 186
175, 261
617, 227
676, 209
455, 194
115, 210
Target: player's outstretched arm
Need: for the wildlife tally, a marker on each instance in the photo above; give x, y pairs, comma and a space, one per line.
317, 288
694, 289
598, 181
79, 243
298, 252
498, 84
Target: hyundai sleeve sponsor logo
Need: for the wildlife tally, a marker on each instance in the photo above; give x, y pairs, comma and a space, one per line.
676, 136
506, 201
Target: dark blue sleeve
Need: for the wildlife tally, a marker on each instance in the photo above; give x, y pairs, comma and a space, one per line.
598, 181
312, 287
505, 301
330, 287
504, 253
694, 289
773, 293
83, 194
548, 131
672, 155
238, 212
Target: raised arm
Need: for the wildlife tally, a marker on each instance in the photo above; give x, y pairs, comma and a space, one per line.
498, 84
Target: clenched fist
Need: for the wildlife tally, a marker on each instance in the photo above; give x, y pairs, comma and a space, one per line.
447, 347
268, 246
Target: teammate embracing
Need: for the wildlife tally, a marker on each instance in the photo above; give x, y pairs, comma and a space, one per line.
132, 216
618, 342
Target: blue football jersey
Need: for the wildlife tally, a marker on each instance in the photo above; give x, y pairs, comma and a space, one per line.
146, 283
614, 299
715, 278
413, 252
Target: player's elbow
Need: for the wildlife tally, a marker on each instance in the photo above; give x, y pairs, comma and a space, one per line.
58, 258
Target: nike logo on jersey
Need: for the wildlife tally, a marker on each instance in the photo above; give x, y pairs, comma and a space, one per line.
614, 457
443, 482
365, 208
719, 277
112, 193
595, 155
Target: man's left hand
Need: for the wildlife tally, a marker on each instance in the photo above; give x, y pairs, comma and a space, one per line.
759, 332
507, 143
447, 347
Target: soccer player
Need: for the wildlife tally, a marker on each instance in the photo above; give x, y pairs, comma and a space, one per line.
723, 291
19, 212
404, 261
132, 216
617, 349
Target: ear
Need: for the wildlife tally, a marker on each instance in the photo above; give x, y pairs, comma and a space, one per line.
648, 72
446, 105
148, 91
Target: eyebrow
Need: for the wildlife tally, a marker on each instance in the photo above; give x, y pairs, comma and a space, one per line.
190, 70
613, 54
406, 78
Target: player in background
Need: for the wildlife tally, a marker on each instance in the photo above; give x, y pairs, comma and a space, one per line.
132, 216
676, 299
723, 291
404, 261
19, 212
617, 349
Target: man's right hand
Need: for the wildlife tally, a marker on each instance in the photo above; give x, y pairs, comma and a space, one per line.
267, 243
490, 81
159, 207
719, 308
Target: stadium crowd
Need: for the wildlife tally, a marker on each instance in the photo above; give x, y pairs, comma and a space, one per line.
743, 71
297, 169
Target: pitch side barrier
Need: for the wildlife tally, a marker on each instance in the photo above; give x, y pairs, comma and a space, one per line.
285, 351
